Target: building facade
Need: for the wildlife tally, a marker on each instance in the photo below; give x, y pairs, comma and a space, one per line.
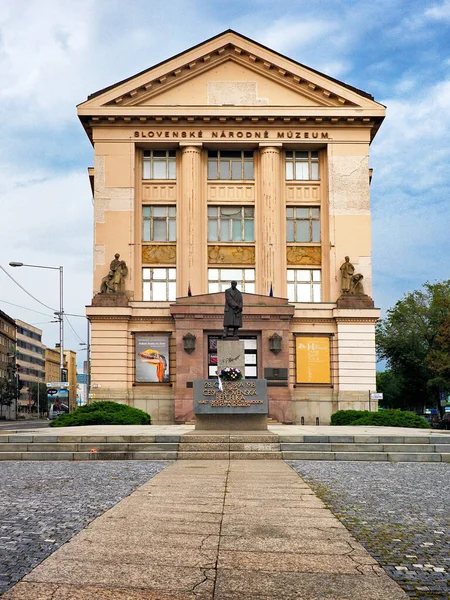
30, 362
52, 365
8, 367
229, 162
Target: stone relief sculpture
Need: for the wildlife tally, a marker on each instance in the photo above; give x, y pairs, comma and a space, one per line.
232, 316
303, 255
114, 282
159, 254
347, 272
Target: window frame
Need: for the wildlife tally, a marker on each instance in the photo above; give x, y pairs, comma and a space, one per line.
312, 160
312, 283
247, 286
170, 159
219, 219
296, 219
149, 281
222, 160
151, 219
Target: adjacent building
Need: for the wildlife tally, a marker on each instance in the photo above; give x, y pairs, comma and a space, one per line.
30, 362
8, 367
229, 162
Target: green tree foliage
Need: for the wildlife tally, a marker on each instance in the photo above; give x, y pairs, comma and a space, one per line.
439, 357
41, 400
8, 392
407, 338
385, 418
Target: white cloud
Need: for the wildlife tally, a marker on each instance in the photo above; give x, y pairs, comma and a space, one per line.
439, 11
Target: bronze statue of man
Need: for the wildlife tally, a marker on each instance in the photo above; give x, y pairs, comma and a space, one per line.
232, 316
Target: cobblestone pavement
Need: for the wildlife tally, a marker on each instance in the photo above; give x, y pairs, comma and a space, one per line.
43, 504
400, 512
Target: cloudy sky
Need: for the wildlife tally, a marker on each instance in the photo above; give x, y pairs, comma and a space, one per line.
53, 53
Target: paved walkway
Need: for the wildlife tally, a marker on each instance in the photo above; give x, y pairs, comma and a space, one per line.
203, 530
291, 430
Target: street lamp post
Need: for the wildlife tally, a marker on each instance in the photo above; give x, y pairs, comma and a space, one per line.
59, 314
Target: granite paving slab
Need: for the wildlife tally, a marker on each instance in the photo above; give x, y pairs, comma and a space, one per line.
268, 550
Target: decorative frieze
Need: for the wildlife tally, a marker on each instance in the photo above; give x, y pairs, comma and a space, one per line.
304, 255
159, 254
234, 255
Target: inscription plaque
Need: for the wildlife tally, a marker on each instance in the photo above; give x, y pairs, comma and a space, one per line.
242, 397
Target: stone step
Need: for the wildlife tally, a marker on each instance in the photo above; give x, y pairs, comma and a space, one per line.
84, 447
89, 455
364, 439
229, 455
229, 447
368, 447
369, 456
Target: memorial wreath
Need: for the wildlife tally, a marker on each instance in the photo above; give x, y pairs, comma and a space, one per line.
230, 374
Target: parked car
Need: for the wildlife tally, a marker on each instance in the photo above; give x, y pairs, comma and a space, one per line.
444, 423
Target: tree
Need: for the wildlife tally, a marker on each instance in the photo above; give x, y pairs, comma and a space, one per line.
8, 392
439, 357
41, 401
408, 337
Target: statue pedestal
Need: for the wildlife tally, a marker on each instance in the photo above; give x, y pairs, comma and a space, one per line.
113, 299
355, 301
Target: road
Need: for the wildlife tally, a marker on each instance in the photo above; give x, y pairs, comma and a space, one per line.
31, 424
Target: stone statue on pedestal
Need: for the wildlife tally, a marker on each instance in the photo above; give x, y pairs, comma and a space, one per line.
347, 271
232, 317
114, 282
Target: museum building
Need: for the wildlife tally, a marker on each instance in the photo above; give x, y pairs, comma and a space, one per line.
230, 162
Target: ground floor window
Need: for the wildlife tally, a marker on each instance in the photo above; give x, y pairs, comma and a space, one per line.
251, 356
158, 284
304, 285
219, 280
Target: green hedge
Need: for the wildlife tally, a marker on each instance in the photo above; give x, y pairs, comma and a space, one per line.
385, 418
103, 413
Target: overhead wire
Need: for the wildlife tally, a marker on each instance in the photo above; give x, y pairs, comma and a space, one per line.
24, 307
26, 291
75, 333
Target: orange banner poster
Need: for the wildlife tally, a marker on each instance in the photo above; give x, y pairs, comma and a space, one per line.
313, 359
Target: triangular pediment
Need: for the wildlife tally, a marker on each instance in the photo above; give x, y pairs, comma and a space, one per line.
229, 70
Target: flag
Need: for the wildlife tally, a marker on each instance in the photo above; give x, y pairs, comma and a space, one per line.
271, 290
220, 384
189, 289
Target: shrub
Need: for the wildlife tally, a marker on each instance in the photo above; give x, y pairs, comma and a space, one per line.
386, 418
103, 413
346, 417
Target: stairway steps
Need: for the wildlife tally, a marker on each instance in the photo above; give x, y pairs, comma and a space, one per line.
369, 456
103, 455
211, 445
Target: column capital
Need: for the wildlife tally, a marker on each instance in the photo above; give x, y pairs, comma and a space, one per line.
191, 146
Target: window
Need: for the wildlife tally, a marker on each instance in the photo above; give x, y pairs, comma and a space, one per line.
220, 279
159, 223
303, 224
251, 356
303, 285
159, 164
230, 164
302, 166
231, 224
158, 285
